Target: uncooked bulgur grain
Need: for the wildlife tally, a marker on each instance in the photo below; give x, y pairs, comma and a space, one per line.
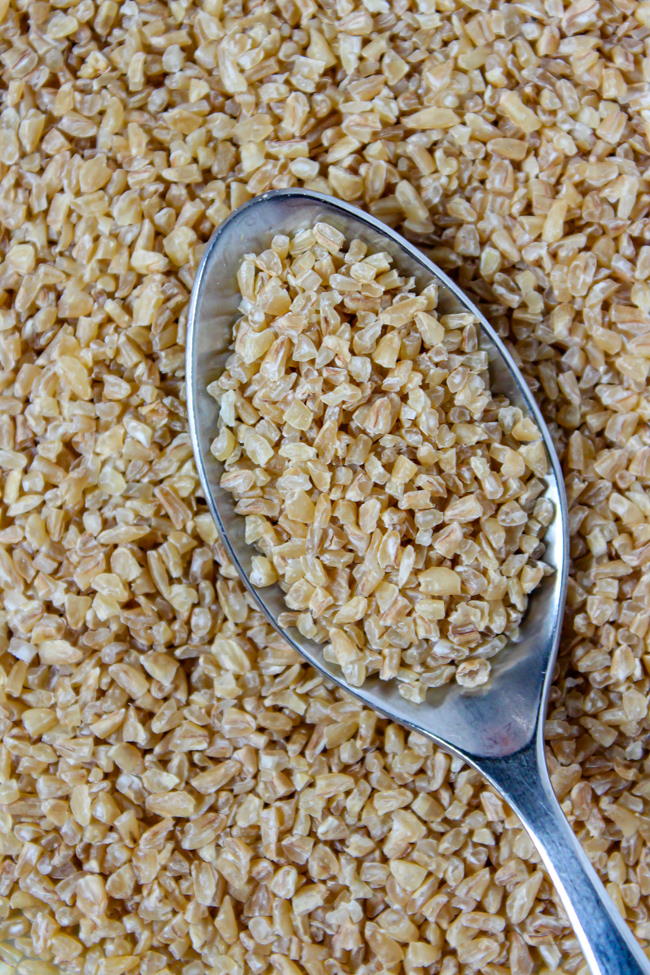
194, 107
398, 501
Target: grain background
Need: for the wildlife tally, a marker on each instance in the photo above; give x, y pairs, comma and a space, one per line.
179, 793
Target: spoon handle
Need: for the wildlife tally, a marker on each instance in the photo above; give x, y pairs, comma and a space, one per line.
607, 942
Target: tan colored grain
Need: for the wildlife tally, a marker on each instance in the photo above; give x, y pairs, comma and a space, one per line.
192, 108
350, 441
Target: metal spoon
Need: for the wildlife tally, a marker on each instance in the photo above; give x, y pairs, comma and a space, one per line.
497, 729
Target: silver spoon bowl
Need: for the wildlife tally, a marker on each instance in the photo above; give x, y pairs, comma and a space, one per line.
497, 728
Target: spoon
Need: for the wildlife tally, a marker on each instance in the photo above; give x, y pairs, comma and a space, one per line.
498, 729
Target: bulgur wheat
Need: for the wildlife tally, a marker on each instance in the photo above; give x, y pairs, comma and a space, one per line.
395, 497
108, 558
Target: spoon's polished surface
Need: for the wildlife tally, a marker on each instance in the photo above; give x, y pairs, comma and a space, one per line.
498, 728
